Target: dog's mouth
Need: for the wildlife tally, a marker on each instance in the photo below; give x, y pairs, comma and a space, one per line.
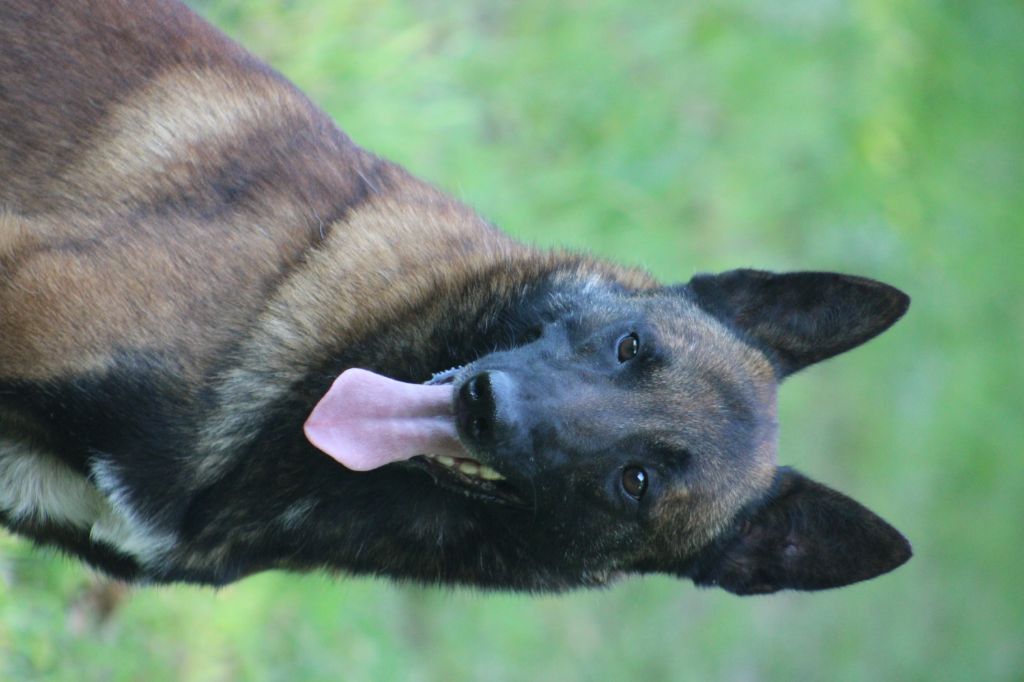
366, 421
464, 474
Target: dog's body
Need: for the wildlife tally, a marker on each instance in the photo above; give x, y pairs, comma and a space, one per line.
191, 253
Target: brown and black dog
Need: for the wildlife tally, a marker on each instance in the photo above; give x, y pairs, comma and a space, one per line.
193, 262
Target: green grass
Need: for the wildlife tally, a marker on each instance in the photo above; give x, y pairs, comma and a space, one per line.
880, 137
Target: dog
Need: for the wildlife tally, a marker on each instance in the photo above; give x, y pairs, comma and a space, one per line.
234, 341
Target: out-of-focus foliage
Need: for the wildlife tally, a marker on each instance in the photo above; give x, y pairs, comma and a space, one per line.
879, 137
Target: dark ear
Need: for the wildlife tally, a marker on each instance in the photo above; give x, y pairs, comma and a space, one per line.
801, 317
806, 536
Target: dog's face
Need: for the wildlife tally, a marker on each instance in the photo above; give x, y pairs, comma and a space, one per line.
637, 432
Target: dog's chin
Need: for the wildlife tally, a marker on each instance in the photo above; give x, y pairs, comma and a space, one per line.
470, 478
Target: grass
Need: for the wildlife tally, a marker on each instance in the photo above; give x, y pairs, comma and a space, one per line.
880, 137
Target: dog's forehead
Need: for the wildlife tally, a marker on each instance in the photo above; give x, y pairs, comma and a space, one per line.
724, 394
700, 341
693, 341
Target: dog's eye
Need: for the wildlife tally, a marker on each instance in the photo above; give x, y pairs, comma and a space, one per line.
628, 347
634, 482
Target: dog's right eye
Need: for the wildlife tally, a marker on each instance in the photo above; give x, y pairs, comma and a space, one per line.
628, 347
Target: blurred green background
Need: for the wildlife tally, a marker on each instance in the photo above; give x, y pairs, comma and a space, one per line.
878, 137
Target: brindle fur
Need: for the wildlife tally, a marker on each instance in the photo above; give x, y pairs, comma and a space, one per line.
190, 252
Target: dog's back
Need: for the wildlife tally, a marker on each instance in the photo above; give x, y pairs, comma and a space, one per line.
129, 178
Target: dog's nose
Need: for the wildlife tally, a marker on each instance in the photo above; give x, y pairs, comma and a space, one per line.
477, 411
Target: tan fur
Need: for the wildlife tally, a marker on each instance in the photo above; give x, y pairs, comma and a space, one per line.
15, 236
146, 144
688, 518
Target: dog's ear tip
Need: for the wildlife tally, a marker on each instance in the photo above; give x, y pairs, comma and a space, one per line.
902, 302
896, 301
892, 550
900, 552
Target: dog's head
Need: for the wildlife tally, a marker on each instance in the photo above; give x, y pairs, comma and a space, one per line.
635, 432
640, 429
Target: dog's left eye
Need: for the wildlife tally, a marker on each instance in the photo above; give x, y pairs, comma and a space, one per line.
628, 347
634, 482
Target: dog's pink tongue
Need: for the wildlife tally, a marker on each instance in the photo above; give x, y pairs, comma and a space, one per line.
366, 420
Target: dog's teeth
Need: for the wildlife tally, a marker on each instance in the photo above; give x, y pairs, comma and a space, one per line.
444, 377
489, 474
468, 467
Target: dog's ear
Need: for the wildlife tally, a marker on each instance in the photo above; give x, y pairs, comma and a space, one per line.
805, 536
799, 318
